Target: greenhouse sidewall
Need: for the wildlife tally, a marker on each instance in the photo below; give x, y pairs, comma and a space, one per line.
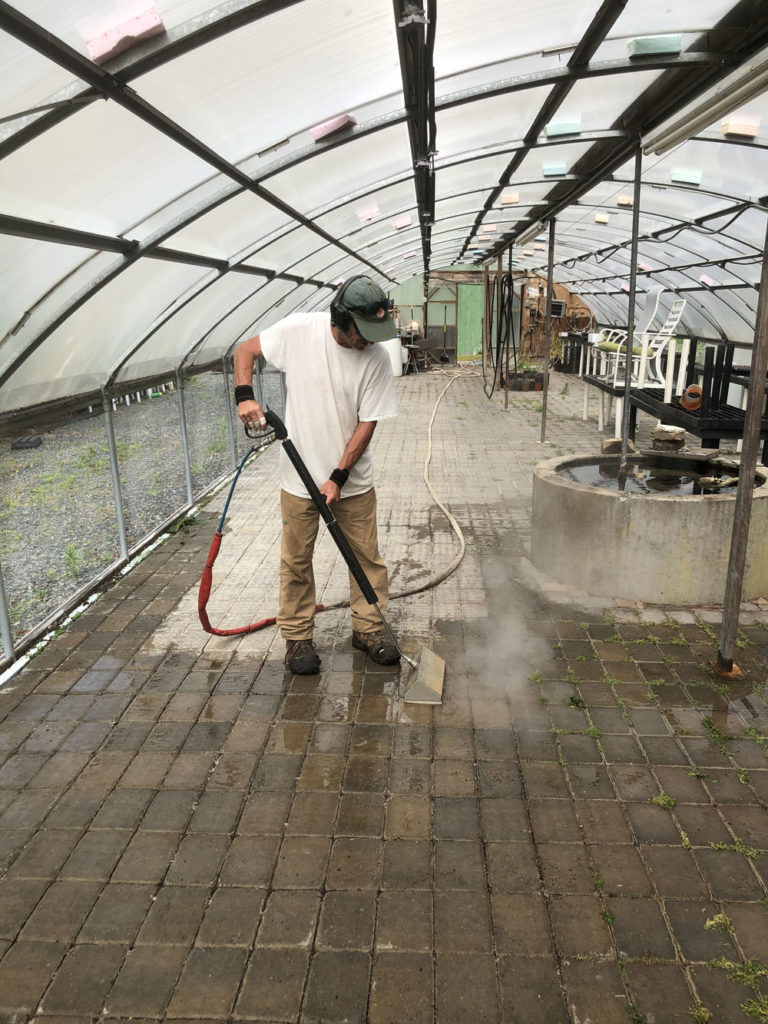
63, 524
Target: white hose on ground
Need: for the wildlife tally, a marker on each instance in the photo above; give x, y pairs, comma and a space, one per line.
454, 525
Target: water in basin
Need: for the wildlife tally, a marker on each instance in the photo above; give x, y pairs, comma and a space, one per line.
647, 476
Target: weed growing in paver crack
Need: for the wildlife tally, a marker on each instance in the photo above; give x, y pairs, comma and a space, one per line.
576, 702
685, 842
182, 525
537, 677
722, 688
591, 731
719, 923
571, 676
757, 1009
752, 733
700, 1014
706, 628
747, 973
743, 776
634, 1013
622, 706
663, 800
715, 735
607, 916
742, 640
599, 882
736, 847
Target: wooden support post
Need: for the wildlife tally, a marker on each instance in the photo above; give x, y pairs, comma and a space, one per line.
548, 340
734, 582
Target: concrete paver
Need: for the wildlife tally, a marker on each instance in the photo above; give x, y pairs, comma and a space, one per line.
577, 833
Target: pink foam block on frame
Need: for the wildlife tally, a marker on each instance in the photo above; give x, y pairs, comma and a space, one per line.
334, 125
747, 127
125, 34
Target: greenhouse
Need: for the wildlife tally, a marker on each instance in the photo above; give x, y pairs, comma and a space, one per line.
539, 793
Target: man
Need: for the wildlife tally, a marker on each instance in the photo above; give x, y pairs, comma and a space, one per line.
339, 385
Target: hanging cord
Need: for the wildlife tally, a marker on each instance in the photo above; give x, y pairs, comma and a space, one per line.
490, 302
505, 331
508, 295
207, 577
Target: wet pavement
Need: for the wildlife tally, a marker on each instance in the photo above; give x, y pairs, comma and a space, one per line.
577, 834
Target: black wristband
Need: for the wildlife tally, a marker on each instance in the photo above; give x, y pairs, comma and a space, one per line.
244, 392
339, 477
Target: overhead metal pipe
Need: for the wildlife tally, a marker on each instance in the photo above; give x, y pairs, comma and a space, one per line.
415, 26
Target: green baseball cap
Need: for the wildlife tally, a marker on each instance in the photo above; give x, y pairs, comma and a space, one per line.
369, 307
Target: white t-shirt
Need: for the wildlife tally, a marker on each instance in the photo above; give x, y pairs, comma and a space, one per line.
329, 390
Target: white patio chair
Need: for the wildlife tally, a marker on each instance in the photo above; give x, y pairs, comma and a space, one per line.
648, 366
647, 358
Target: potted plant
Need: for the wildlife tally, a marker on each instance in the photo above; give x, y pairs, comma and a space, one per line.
527, 378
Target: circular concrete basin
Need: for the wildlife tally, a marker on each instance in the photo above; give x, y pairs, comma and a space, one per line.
650, 546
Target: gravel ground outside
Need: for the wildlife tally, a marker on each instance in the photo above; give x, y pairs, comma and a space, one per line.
58, 527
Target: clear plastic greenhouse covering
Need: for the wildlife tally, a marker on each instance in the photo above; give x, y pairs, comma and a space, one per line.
177, 176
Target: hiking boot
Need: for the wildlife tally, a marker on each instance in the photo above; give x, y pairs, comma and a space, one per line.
377, 645
301, 658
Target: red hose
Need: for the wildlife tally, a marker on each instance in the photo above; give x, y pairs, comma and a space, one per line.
205, 592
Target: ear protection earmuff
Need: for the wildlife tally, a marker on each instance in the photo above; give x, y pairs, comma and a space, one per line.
340, 315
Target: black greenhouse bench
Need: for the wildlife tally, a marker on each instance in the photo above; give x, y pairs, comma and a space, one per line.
715, 420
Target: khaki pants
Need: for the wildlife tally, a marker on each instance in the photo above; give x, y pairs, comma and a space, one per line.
357, 518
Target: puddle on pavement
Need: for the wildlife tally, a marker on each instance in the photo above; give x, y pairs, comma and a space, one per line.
338, 709
289, 738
